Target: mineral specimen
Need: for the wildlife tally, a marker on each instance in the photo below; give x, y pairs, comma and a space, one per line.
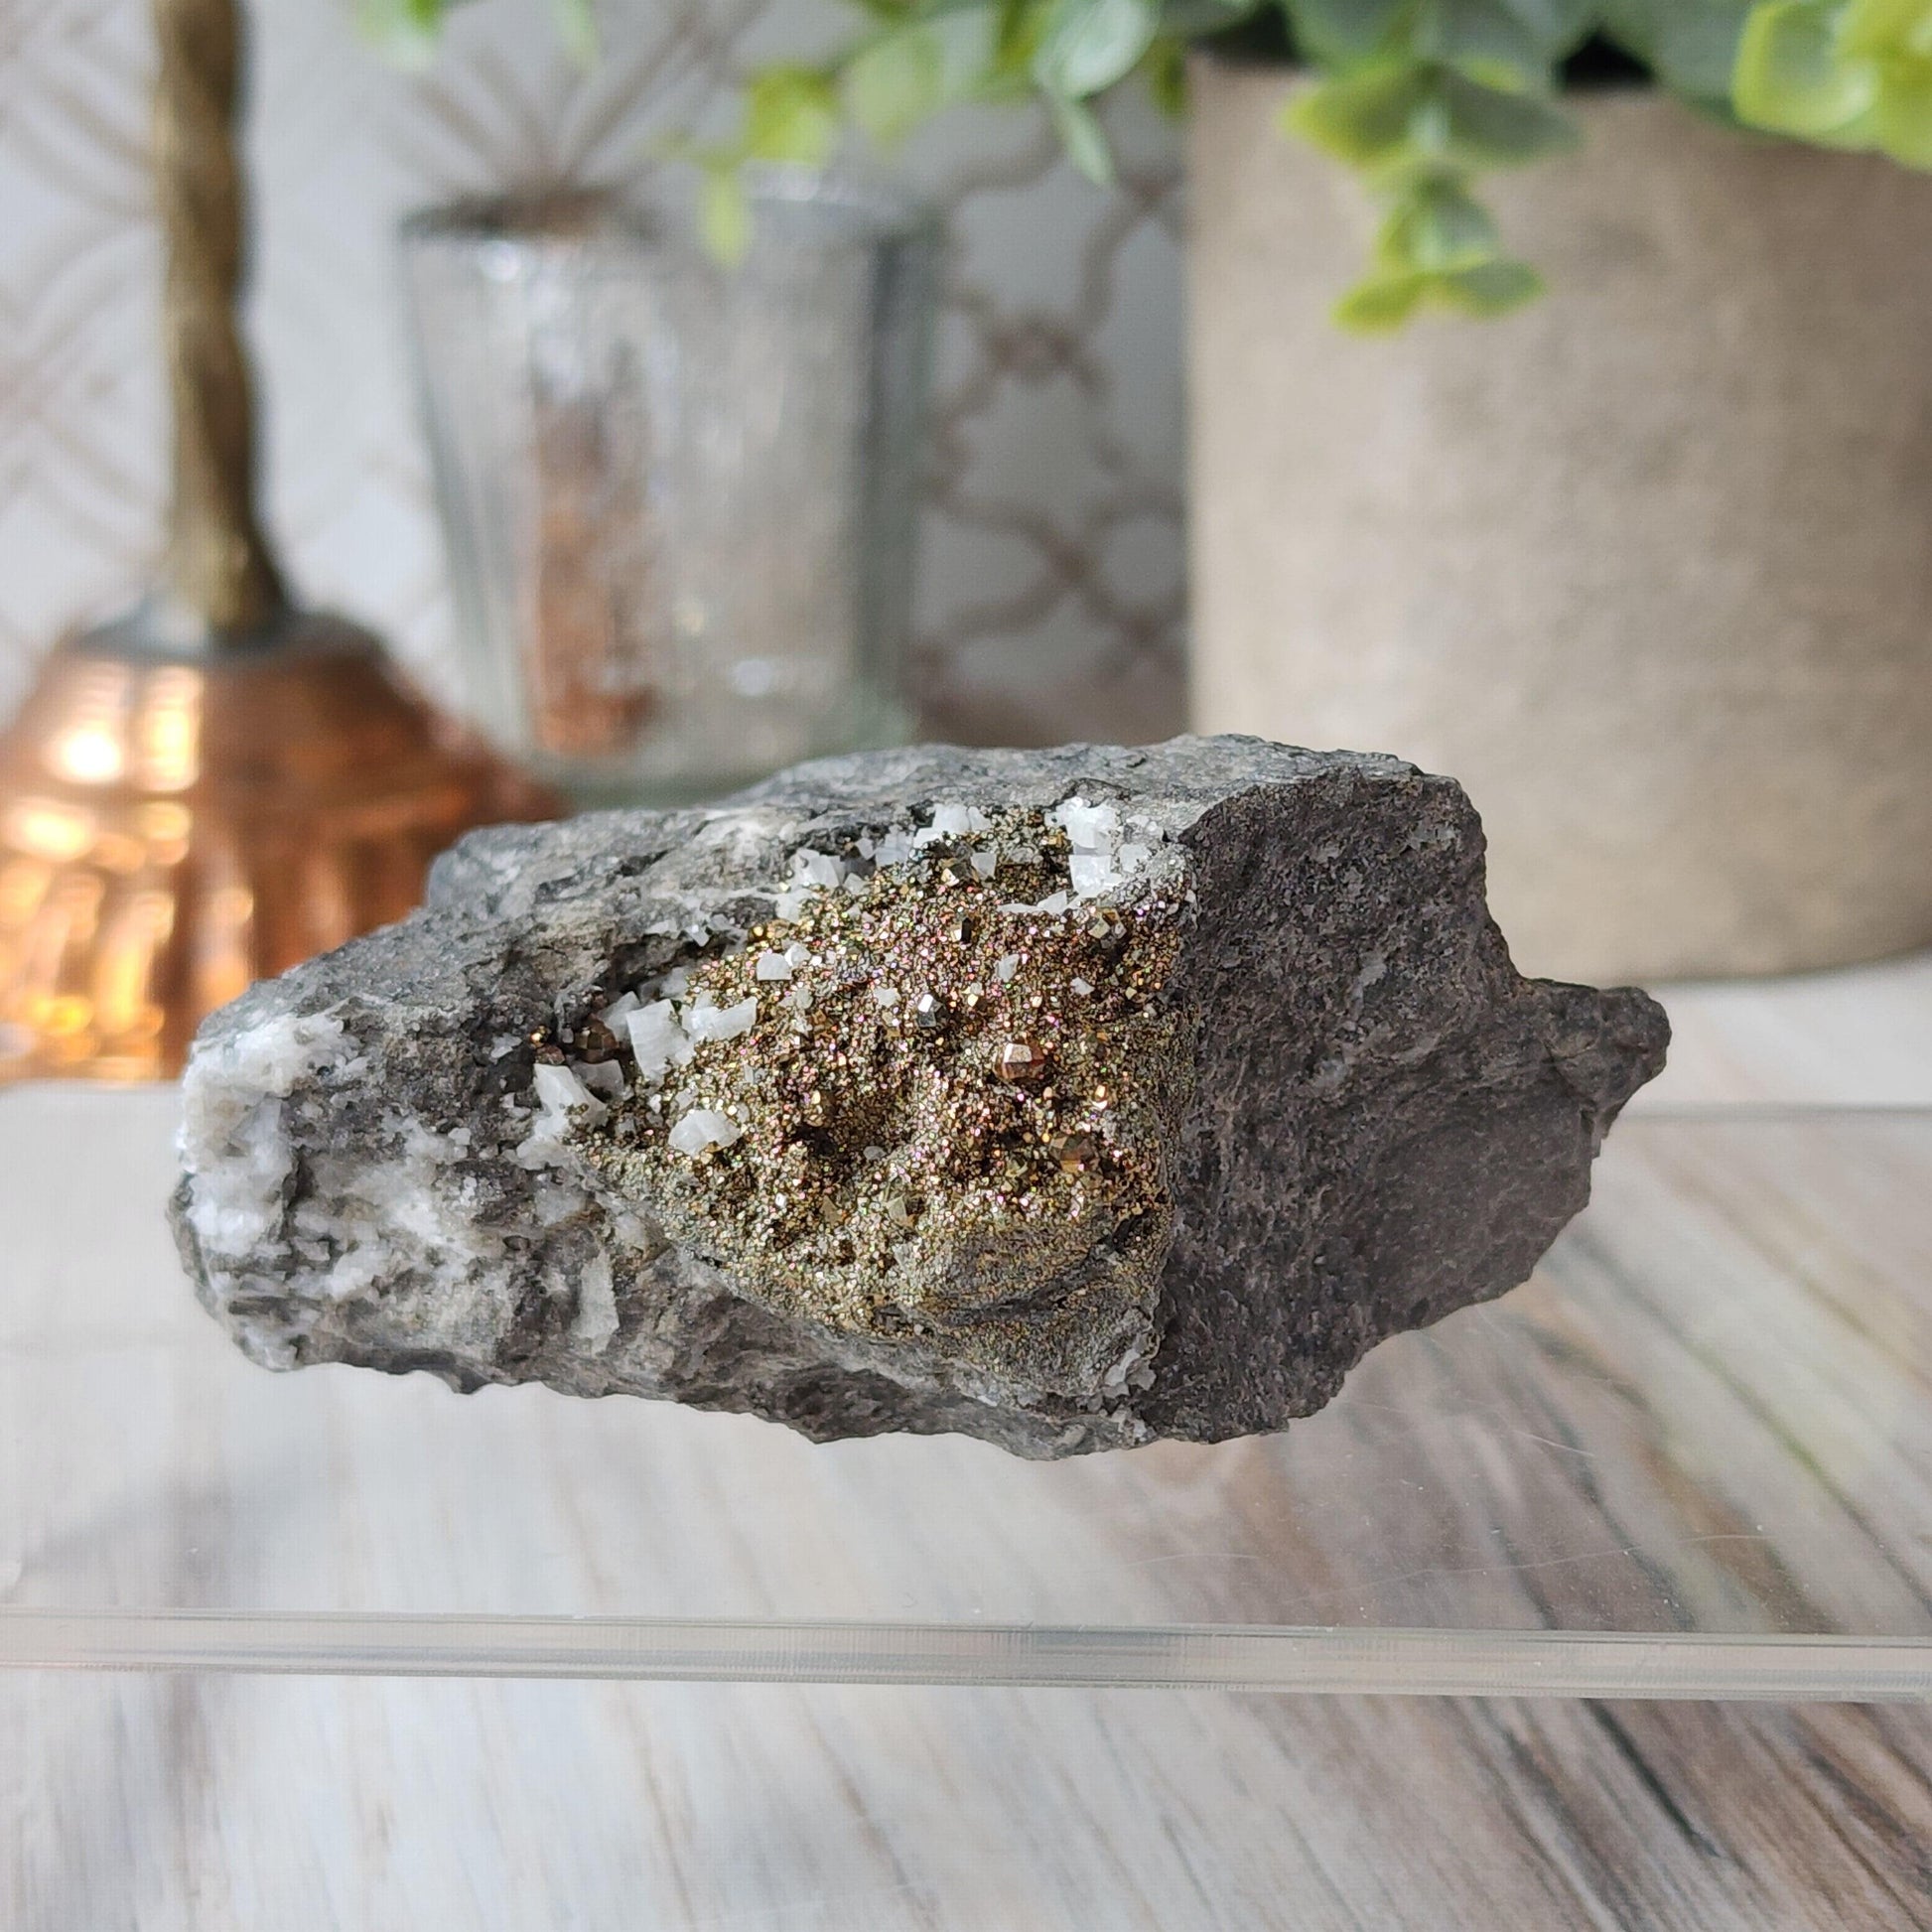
1068, 1099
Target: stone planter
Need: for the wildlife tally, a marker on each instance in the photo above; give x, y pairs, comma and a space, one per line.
1648, 566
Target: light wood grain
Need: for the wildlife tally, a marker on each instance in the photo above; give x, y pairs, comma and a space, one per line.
1857, 1038
233, 1803
215, 1805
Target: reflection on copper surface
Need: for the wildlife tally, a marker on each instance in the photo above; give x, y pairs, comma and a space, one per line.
116, 851
171, 831
167, 732
47, 828
22, 885
90, 745
89, 756
164, 830
124, 962
223, 963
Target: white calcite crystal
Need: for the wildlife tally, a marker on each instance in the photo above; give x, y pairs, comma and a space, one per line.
707, 1021
1071, 1099
233, 1124
702, 1129
657, 1042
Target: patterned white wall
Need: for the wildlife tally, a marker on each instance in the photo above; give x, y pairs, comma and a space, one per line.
1052, 596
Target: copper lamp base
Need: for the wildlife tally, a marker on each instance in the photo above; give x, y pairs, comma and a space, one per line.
176, 822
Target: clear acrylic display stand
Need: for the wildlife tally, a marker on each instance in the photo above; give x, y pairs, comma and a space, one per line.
1693, 1457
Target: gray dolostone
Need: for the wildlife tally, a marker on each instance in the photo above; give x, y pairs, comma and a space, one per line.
1071, 1099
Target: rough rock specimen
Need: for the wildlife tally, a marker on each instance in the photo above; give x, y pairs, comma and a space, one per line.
1068, 1099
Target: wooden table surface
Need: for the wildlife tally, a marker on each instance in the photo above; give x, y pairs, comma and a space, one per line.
272, 1805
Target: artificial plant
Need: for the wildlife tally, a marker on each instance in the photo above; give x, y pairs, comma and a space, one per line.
1422, 98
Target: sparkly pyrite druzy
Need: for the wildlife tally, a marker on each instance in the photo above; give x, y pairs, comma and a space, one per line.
947, 1098
1068, 1099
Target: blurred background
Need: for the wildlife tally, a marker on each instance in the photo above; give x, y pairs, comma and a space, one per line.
1562, 432
1052, 600
420, 413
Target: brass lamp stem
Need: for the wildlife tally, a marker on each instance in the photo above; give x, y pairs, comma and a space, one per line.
217, 563
214, 786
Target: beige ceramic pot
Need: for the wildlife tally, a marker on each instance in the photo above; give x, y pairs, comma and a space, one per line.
1648, 566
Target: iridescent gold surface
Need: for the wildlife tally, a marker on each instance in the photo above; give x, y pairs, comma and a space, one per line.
952, 1112
174, 827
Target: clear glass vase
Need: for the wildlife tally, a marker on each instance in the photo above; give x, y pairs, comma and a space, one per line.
678, 498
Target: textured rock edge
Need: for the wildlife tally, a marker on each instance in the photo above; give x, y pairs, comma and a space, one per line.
1449, 1109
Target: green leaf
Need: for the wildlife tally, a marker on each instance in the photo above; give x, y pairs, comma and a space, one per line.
1086, 46
1398, 115
975, 49
1691, 43
1487, 40
1848, 73
1381, 303
893, 84
1085, 139
1878, 28
1365, 119
1791, 77
1338, 33
791, 114
1017, 35
1192, 20
407, 31
1903, 121
1492, 128
1493, 289
402, 30
1437, 229
577, 28
1390, 298
1562, 24
724, 216
1165, 68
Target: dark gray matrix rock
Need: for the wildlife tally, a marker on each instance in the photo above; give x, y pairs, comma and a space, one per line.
1332, 1111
